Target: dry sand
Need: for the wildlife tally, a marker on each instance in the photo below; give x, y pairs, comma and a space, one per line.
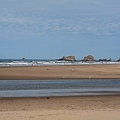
61, 72
61, 108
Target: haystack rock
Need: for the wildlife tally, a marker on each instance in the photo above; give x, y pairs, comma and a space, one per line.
88, 58
68, 58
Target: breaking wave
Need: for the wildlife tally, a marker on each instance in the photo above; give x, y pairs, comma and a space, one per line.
18, 62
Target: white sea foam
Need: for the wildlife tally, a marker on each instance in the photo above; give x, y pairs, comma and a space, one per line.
48, 62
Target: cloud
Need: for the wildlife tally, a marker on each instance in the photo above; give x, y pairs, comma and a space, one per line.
73, 16
37, 24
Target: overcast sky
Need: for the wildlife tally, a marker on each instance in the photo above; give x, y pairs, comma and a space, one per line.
50, 29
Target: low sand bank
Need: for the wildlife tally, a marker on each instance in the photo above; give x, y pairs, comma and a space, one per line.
61, 72
59, 108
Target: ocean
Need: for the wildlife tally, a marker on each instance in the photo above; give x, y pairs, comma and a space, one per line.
38, 62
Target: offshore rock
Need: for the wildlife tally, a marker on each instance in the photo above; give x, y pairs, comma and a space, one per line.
105, 60
67, 58
88, 58
118, 60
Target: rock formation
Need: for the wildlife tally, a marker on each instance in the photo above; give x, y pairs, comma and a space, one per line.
118, 60
23, 58
67, 58
105, 60
88, 58
109, 59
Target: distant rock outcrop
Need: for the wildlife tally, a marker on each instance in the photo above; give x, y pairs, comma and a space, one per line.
88, 58
105, 60
67, 58
110, 59
23, 58
118, 60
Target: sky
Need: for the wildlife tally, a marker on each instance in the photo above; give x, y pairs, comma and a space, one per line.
50, 29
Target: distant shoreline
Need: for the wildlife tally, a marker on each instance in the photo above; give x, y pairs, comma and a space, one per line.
90, 71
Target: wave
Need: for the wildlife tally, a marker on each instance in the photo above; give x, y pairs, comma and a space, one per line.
49, 62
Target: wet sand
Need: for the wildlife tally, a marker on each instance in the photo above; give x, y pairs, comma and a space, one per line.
61, 72
59, 108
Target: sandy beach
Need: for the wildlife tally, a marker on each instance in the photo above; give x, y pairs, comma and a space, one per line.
61, 108
61, 72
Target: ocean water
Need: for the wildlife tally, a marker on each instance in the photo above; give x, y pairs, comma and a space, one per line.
48, 88
37, 62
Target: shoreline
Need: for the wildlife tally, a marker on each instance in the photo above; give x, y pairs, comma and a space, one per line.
60, 72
